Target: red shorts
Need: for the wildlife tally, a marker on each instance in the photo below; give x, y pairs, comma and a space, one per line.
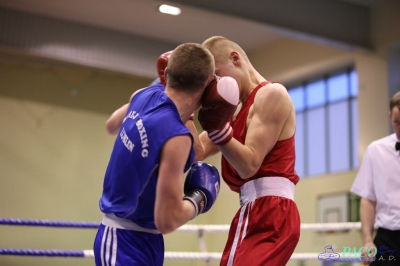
263, 232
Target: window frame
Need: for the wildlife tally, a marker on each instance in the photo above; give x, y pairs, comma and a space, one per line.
350, 99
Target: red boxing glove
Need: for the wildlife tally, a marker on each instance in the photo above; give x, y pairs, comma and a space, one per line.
219, 103
162, 63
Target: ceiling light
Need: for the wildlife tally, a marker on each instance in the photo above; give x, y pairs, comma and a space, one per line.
171, 10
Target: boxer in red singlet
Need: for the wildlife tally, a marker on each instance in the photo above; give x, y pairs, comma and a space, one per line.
258, 162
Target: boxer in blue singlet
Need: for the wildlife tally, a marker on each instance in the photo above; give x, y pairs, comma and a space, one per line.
145, 193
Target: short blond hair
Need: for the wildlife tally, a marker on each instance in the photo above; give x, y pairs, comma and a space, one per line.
218, 44
190, 67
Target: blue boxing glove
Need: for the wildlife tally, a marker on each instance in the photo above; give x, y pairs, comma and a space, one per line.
202, 186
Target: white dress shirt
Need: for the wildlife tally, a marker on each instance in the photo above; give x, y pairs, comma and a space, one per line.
378, 179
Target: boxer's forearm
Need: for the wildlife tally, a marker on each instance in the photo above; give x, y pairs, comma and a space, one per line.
210, 148
241, 157
168, 220
202, 145
114, 122
197, 145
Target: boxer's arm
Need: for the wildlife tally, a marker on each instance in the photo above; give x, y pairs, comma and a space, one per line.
209, 148
271, 108
171, 211
115, 120
202, 144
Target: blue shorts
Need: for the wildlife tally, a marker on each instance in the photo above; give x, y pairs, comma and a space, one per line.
120, 247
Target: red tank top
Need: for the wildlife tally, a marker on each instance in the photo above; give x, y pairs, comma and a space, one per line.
279, 161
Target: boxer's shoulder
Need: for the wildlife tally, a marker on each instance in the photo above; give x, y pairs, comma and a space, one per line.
272, 93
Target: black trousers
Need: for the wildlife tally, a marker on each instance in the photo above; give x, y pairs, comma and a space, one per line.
388, 244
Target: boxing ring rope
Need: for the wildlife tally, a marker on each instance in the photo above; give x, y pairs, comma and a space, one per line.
189, 228
169, 255
199, 229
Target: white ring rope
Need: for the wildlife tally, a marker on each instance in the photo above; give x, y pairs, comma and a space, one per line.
169, 255
199, 229
323, 227
189, 228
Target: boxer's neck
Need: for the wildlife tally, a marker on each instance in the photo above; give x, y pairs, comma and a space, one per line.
185, 102
251, 80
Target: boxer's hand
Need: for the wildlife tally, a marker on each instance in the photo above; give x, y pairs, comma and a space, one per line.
202, 186
219, 103
161, 65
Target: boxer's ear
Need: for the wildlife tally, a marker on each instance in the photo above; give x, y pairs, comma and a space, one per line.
165, 75
235, 57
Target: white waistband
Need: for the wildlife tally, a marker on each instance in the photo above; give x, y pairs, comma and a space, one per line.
266, 186
111, 220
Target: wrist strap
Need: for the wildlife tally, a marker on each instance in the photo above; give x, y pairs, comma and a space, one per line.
198, 199
222, 136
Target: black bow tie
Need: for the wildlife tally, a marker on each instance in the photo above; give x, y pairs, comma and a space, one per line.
397, 146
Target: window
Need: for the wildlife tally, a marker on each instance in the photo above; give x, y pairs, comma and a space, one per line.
326, 130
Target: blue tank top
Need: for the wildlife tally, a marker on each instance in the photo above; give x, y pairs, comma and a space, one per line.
129, 188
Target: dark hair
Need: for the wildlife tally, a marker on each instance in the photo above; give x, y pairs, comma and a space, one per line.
395, 101
189, 67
